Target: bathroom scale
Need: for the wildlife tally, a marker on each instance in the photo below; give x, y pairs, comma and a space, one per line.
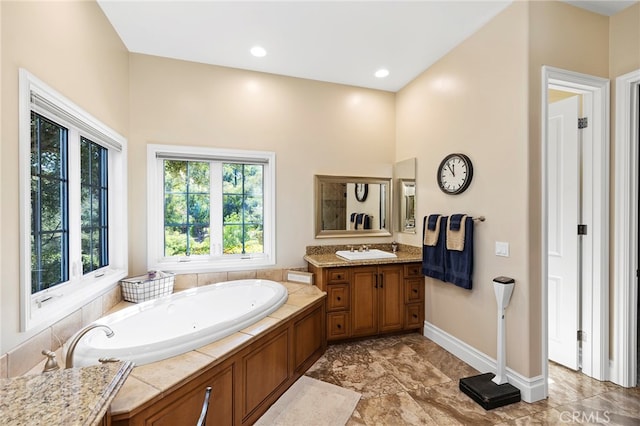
488, 394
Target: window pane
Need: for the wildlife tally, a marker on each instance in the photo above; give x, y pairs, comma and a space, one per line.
49, 204
243, 208
186, 208
94, 205
175, 241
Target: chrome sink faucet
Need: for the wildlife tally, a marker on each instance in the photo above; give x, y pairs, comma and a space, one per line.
72, 346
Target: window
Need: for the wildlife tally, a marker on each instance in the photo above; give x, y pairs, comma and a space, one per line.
212, 209
73, 205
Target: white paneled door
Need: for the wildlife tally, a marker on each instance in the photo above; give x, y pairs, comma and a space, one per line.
563, 176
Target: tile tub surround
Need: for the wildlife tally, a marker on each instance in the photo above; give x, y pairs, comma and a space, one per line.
75, 396
410, 380
148, 383
26, 358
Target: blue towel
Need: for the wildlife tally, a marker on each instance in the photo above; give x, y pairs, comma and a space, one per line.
458, 265
367, 221
454, 222
432, 222
360, 220
433, 257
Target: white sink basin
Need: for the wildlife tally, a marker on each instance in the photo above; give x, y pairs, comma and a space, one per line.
365, 255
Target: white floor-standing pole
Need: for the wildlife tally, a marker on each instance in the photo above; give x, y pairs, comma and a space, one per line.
488, 389
503, 287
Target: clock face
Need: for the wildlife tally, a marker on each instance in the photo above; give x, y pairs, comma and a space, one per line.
362, 189
455, 173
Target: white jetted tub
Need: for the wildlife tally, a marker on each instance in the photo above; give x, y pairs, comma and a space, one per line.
180, 322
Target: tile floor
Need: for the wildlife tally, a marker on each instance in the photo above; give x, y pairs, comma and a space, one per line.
410, 380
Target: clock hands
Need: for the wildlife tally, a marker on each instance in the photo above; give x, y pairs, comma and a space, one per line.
451, 167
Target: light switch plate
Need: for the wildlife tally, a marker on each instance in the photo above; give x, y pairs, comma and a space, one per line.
502, 249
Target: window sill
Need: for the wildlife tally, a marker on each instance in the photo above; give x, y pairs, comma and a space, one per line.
61, 302
217, 265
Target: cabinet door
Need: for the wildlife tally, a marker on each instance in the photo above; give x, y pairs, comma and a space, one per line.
338, 325
390, 296
186, 408
337, 297
364, 301
308, 339
414, 316
414, 290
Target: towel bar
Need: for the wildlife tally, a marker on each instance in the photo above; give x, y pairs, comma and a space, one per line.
479, 219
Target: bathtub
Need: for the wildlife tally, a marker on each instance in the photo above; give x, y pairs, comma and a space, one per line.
180, 322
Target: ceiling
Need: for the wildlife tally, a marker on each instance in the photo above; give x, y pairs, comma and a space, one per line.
335, 41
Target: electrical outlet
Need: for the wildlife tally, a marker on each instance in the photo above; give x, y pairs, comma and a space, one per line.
502, 249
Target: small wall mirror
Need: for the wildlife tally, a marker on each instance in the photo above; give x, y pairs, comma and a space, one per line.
407, 206
405, 203
348, 206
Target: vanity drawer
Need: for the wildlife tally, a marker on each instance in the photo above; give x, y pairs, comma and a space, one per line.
338, 275
413, 290
338, 325
337, 297
413, 316
413, 270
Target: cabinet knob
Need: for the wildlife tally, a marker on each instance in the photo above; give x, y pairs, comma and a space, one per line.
338, 298
339, 326
415, 316
415, 290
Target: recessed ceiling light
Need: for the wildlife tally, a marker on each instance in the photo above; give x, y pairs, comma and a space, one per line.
258, 51
382, 73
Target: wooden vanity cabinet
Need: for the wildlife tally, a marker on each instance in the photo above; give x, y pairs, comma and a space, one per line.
371, 300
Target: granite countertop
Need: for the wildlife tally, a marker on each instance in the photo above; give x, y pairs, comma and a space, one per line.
75, 396
148, 383
325, 257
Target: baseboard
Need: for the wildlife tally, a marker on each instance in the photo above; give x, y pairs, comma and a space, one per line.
532, 389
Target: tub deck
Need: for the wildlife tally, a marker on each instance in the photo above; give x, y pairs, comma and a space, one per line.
149, 383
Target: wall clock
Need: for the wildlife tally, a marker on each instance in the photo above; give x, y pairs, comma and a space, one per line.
455, 173
362, 189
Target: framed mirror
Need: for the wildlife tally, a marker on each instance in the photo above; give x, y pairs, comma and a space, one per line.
407, 206
348, 206
404, 173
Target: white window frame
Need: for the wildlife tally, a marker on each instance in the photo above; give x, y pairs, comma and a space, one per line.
48, 306
155, 211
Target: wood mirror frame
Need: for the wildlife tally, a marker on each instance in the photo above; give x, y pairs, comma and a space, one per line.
336, 205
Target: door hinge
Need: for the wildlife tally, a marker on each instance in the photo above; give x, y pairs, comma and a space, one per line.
579, 335
583, 123
582, 229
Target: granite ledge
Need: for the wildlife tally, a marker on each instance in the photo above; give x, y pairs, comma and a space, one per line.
327, 260
74, 396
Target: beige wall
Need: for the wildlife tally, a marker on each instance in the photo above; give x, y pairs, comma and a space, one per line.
624, 42
313, 127
72, 48
474, 101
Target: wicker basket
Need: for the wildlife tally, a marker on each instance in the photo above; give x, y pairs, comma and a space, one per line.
148, 286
